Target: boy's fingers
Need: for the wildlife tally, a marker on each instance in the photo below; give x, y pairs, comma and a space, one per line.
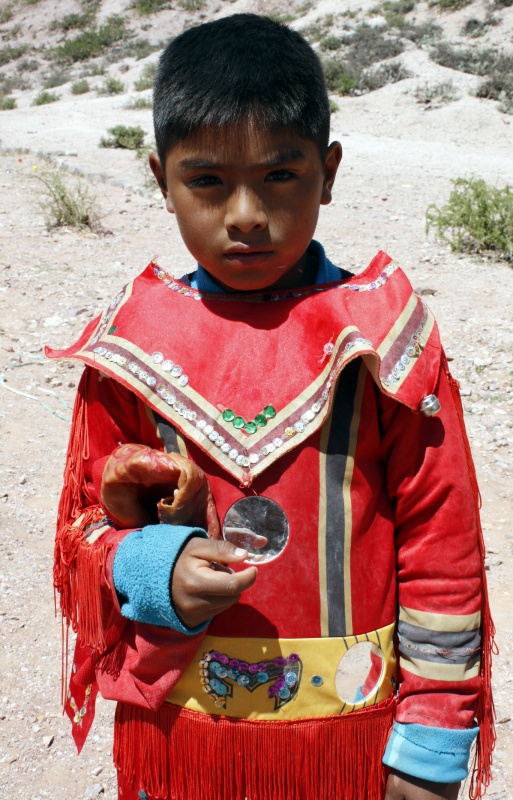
215, 550
228, 585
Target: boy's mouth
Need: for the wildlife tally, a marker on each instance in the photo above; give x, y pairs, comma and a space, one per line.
247, 256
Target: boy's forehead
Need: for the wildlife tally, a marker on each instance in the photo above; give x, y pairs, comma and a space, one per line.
245, 143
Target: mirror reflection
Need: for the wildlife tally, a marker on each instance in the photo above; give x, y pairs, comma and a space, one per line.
259, 525
358, 672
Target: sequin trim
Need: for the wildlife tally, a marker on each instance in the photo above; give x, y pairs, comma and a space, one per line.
159, 379
219, 673
107, 315
411, 351
187, 291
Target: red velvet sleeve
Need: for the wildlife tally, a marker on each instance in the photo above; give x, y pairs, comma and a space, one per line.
441, 589
132, 662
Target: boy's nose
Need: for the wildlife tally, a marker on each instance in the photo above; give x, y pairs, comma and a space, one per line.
245, 213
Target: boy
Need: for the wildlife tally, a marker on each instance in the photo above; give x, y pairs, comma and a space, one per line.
320, 409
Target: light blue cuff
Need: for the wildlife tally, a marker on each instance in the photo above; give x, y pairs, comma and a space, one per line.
433, 754
142, 570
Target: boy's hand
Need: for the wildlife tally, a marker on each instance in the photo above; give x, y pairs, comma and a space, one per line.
202, 585
405, 787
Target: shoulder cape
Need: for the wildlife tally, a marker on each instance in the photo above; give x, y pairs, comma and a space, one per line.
272, 360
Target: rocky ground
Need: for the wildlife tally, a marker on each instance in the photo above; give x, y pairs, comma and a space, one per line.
399, 156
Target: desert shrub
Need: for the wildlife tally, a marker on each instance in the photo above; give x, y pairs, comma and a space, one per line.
6, 14
10, 82
477, 27
139, 104
374, 79
474, 61
425, 33
80, 87
11, 53
45, 97
91, 42
111, 86
318, 30
437, 94
7, 103
28, 65
142, 48
73, 22
146, 78
367, 46
394, 11
145, 7
65, 204
92, 70
499, 86
503, 3
450, 5
477, 219
125, 137
192, 5
330, 43
340, 76
334, 107
56, 78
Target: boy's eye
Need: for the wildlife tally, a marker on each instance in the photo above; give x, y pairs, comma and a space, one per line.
280, 175
204, 180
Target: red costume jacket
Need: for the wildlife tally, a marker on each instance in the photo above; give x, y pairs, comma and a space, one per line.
381, 503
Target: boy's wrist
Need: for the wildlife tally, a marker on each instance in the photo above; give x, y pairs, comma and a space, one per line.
406, 787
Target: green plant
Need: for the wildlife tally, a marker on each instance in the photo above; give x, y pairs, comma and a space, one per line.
125, 137
434, 95
424, 34
450, 5
318, 30
368, 46
373, 79
477, 219
499, 84
334, 107
45, 97
330, 43
142, 48
6, 14
80, 87
340, 77
478, 27
474, 61
112, 86
56, 78
91, 42
192, 5
11, 53
71, 22
139, 104
67, 205
146, 78
146, 7
28, 65
7, 103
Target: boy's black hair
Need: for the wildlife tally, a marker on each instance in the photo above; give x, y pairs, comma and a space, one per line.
240, 67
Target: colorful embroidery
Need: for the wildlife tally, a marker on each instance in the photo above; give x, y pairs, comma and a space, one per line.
219, 674
197, 295
107, 315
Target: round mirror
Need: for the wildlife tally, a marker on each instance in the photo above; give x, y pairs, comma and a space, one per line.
359, 672
259, 525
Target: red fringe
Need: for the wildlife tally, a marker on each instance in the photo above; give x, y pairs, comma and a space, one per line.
485, 712
177, 754
80, 603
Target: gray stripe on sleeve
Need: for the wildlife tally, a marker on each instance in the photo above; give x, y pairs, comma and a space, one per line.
444, 647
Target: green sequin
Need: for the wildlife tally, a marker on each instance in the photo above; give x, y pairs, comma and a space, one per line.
238, 422
250, 427
113, 329
270, 412
228, 415
260, 420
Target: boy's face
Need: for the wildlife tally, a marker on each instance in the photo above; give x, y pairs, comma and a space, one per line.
247, 202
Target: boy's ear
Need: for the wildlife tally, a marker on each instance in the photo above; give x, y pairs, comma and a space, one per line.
331, 165
156, 168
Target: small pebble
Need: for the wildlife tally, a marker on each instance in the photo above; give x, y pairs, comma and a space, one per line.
92, 792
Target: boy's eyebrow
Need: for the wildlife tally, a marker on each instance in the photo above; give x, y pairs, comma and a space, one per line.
282, 157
